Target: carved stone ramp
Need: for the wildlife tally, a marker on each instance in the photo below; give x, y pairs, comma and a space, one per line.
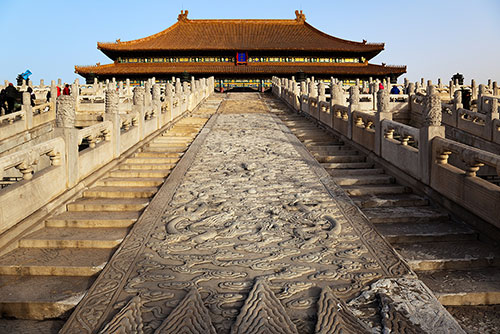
51, 269
458, 264
247, 204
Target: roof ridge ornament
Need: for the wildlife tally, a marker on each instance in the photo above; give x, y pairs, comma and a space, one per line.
183, 16
299, 16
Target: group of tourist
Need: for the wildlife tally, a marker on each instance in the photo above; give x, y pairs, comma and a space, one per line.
11, 98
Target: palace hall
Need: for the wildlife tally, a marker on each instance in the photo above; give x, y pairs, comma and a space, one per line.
240, 53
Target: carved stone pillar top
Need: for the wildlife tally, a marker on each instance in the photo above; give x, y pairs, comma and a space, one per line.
382, 101
156, 93
138, 98
457, 97
111, 100
185, 87
313, 92
322, 89
411, 88
169, 90
303, 88
65, 111
335, 92
178, 87
432, 108
354, 95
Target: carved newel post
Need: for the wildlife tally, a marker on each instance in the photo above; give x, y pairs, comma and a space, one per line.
353, 105
185, 88
480, 94
410, 89
431, 128
383, 112
313, 92
354, 97
457, 100
111, 101
138, 106
322, 96
169, 99
138, 97
336, 95
178, 87
65, 128
111, 114
65, 112
28, 109
156, 99
303, 88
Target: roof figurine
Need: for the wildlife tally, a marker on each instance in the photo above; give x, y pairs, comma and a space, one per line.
299, 16
183, 16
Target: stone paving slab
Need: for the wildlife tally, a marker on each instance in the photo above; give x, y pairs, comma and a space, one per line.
249, 228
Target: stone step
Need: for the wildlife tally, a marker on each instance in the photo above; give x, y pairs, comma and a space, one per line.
165, 149
363, 171
72, 237
131, 182
55, 261
313, 135
127, 166
167, 142
120, 192
347, 165
328, 148
139, 173
320, 155
40, 297
181, 135
154, 160
89, 219
31, 326
426, 232
108, 204
405, 214
341, 158
464, 287
314, 144
448, 255
390, 200
364, 179
158, 154
374, 190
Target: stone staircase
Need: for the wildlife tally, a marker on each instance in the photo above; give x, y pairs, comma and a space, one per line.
49, 272
453, 260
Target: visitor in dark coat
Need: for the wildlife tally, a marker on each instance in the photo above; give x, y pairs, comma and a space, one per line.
394, 90
11, 95
32, 96
66, 90
3, 107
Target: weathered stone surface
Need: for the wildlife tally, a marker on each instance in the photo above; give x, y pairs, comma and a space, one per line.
407, 304
263, 313
127, 321
334, 316
246, 203
190, 317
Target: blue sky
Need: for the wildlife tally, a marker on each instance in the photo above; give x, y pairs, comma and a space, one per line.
433, 38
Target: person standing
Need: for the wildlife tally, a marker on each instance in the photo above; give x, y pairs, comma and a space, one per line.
11, 95
395, 90
66, 90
